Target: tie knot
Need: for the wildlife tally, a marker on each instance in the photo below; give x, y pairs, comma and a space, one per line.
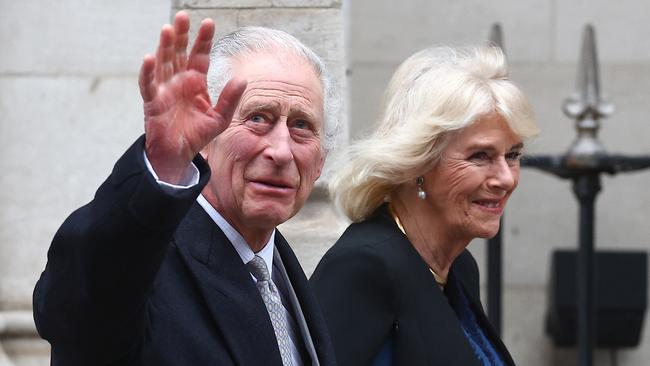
257, 267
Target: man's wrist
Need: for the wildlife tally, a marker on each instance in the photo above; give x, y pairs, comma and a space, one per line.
190, 177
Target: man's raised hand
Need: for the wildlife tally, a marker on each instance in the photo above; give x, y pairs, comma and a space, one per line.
179, 119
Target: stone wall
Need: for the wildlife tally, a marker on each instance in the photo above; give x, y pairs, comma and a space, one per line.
70, 106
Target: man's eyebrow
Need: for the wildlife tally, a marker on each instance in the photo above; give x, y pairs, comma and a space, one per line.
300, 112
258, 104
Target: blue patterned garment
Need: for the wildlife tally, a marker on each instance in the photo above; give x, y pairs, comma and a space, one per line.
483, 348
385, 356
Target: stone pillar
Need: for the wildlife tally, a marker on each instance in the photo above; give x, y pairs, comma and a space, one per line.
320, 25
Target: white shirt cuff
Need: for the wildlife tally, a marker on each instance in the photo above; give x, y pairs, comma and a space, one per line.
190, 178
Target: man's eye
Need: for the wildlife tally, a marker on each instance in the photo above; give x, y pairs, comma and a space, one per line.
303, 125
257, 118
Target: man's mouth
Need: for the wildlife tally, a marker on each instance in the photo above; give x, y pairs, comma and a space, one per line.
276, 187
273, 183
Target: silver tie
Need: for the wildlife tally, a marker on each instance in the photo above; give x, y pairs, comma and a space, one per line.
271, 298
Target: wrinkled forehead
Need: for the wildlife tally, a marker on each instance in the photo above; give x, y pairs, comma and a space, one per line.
280, 66
280, 76
488, 131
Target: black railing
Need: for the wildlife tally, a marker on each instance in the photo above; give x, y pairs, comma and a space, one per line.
584, 163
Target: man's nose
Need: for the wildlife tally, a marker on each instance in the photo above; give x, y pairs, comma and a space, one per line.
279, 144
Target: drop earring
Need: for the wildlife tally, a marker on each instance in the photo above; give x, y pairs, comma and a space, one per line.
419, 181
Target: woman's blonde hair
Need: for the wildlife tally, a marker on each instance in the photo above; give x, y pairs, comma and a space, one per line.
434, 92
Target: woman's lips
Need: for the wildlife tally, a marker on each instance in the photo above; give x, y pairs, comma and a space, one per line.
492, 206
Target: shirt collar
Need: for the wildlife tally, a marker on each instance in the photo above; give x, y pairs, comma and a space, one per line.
237, 241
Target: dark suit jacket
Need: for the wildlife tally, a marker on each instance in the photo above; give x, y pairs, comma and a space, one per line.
142, 277
373, 286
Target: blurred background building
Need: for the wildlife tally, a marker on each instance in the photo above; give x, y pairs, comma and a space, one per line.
70, 106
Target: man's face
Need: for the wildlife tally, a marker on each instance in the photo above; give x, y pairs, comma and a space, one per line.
265, 163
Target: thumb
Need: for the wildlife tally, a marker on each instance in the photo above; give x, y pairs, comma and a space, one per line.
229, 100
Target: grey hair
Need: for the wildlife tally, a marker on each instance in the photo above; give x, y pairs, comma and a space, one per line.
249, 40
432, 94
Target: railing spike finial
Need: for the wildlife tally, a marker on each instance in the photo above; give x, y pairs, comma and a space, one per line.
587, 100
496, 36
586, 105
588, 75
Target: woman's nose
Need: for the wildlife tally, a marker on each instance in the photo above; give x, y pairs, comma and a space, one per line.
504, 176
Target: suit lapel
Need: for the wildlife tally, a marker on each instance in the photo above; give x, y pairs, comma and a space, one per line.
492, 334
441, 333
230, 294
485, 324
315, 323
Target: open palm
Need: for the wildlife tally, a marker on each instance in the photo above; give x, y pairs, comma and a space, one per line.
179, 118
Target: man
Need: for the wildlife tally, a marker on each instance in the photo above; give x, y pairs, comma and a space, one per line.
152, 273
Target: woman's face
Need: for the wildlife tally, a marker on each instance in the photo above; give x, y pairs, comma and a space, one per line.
470, 185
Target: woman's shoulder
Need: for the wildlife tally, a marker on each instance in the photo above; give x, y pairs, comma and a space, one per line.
364, 265
376, 236
375, 244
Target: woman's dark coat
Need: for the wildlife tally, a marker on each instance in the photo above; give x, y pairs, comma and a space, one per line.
373, 286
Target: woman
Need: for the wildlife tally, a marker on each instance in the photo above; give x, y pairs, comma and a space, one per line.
399, 287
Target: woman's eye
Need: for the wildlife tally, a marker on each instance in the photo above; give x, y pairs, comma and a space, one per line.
479, 156
513, 156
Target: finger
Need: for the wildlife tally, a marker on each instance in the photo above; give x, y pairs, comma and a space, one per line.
202, 104
146, 78
194, 87
181, 28
165, 54
199, 59
229, 100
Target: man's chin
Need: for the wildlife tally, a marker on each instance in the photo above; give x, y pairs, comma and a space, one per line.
267, 216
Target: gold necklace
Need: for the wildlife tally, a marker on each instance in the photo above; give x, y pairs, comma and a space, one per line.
439, 279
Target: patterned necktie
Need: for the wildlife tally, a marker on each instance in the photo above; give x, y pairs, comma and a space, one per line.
271, 298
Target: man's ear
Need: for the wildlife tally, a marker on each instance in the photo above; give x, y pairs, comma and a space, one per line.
320, 166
